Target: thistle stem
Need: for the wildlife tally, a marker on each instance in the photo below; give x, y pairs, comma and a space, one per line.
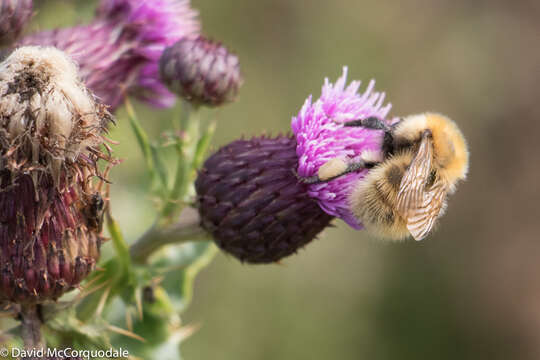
189, 125
31, 327
186, 229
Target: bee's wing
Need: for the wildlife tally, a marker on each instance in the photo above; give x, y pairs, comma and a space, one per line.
412, 186
421, 220
419, 207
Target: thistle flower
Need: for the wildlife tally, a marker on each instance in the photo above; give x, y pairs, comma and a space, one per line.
251, 202
14, 15
201, 71
118, 53
321, 137
50, 140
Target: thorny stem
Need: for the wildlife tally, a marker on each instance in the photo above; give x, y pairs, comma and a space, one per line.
189, 125
31, 327
186, 229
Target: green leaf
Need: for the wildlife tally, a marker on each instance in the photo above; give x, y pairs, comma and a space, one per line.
160, 166
140, 134
203, 145
180, 257
154, 326
66, 330
120, 246
189, 259
117, 275
180, 186
191, 272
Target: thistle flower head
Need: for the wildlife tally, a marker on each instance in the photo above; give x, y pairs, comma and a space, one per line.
202, 71
155, 24
253, 205
14, 15
118, 53
321, 137
50, 143
158, 22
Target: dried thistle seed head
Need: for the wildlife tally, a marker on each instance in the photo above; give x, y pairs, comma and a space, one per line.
253, 205
14, 15
50, 209
201, 71
49, 120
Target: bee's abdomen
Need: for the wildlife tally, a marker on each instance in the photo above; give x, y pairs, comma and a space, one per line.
393, 175
374, 200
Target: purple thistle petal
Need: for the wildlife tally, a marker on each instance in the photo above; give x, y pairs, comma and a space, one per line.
321, 137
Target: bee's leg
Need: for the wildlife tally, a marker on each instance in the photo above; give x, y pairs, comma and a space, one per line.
307, 179
371, 122
352, 167
359, 165
388, 143
377, 124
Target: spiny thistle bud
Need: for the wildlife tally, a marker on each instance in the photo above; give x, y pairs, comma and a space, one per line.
50, 143
201, 71
14, 15
253, 205
118, 52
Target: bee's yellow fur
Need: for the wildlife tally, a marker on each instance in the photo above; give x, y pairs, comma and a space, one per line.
450, 154
373, 200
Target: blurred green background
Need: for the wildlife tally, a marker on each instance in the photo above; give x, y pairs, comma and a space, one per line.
471, 290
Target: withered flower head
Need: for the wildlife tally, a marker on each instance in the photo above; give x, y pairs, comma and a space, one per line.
253, 205
50, 142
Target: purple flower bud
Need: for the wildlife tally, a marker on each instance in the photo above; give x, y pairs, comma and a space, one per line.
201, 71
50, 144
321, 136
14, 15
251, 202
118, 53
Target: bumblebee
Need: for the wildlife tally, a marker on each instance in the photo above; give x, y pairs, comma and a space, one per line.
425, 156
